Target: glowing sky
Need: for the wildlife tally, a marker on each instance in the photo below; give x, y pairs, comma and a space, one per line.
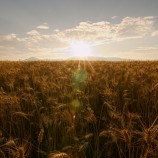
46, 28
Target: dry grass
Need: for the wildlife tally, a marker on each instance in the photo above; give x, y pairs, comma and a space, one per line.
63, 110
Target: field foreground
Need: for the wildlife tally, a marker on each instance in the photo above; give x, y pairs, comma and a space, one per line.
74, 109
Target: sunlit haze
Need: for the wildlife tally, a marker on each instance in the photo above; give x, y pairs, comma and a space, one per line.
80, 49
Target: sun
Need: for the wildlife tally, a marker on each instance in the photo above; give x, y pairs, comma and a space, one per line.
80, 49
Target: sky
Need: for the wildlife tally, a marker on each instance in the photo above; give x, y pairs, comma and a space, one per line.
46, 29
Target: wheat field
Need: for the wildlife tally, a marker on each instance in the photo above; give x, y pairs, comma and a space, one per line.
71, 109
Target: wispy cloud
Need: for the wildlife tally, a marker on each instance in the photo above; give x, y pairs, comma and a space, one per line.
135, 27
9, 37
98, 33
33, 33
56, 30
146, 48
106, 32
155, 33
88, 31
113, 17
33, 43
43, 26
35, 36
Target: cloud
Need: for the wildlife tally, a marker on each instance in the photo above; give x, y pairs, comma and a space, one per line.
113, 17
135, 27
9, 37
155, 33
106, 32
44, 26
33, 43
34, 36
33, 33
56, 30
88, 31
94, 33
146, 48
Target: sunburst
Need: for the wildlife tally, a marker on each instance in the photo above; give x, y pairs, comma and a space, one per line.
80, 49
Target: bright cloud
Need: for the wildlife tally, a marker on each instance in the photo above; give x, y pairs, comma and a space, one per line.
146, 48
35, 36
113, 17
44, 26
98, 33
10, 37
56, 30
105, 32
33, 33
155, 33
135, 27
